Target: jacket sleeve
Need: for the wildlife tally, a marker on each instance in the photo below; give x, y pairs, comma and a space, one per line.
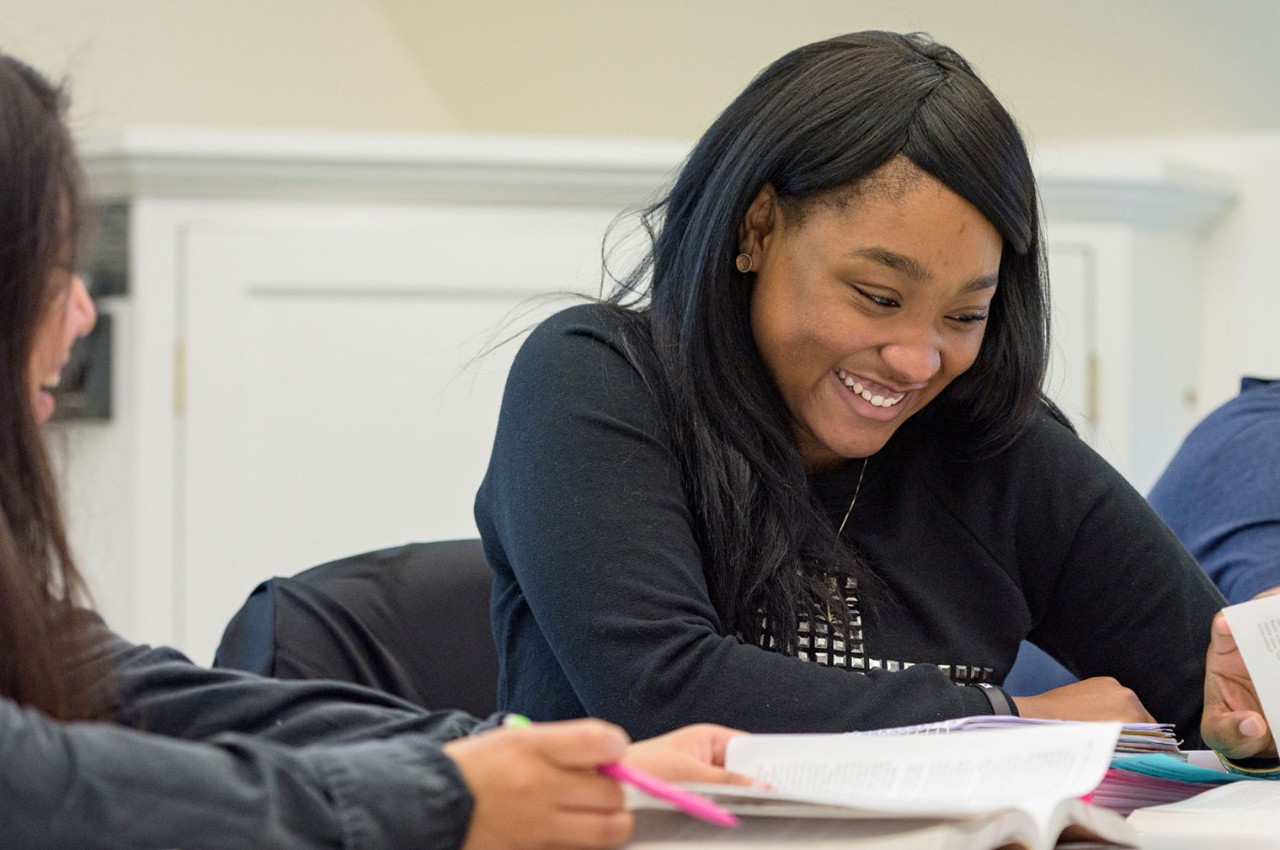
1111, 590
586, 523
83, 786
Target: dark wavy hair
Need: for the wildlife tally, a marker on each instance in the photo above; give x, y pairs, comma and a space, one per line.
40, 587
816, 121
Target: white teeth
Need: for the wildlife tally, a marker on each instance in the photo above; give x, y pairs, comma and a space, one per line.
877, 400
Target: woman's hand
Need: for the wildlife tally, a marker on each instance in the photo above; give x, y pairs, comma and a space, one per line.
1099, 698
537, 787
691, 754
1232, 723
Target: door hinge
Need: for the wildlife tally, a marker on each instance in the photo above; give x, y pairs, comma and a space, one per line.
180, 377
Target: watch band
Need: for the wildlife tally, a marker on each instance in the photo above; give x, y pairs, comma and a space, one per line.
1000, 701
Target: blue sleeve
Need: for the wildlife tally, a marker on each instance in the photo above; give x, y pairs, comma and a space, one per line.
1221, 496
1248, 563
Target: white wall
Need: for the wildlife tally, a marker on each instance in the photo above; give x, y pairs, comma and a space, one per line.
667, 67
662, 68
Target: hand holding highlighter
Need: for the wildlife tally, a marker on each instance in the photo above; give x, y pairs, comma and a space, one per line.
686, 801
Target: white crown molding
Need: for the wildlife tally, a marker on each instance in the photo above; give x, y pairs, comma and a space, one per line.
1135, 189
345, 167
1140, 190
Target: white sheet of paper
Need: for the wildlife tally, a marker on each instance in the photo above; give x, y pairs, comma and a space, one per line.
1256, 627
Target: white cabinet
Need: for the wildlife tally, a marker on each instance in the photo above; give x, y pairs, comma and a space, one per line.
300, 367
1124, 239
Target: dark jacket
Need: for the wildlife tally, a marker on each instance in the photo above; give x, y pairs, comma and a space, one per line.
204, 759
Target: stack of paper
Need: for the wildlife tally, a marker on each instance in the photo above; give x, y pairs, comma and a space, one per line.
1134, 737
1154, 780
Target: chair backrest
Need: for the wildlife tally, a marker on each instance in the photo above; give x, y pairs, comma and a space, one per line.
412, 621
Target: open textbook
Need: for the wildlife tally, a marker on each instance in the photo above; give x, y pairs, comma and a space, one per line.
1018, 787
1242, 816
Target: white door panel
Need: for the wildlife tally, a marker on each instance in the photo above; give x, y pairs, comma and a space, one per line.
334, 399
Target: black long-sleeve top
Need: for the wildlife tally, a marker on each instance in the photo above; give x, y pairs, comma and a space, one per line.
220, 760
600, 605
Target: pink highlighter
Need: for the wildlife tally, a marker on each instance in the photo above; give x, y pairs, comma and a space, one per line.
686, 801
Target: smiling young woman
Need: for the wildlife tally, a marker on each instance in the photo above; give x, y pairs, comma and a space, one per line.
797, 473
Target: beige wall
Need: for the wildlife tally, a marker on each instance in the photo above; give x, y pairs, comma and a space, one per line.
313, 64
660, 68
666, 67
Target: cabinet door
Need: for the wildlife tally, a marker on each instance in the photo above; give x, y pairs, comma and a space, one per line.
338, 397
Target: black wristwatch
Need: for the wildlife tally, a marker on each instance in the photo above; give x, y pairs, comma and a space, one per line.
1000, 701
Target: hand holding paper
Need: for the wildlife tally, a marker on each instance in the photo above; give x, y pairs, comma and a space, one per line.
1242, 679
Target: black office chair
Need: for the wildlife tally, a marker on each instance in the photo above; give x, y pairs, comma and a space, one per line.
412, 621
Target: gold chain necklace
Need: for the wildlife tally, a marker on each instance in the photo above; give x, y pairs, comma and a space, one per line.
856, 490
840, 532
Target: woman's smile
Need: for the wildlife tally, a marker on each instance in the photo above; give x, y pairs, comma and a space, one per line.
879, 395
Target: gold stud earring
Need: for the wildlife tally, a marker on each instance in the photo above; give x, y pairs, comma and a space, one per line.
743, 262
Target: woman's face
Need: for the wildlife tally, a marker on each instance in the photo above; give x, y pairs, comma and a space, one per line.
864, 310
69, 316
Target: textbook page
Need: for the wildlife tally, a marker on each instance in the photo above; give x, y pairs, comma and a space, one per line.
1240, 815
1030, 768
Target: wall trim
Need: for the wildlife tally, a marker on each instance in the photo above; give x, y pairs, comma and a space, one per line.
1135, 189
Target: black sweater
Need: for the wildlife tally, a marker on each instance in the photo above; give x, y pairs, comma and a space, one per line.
600, 605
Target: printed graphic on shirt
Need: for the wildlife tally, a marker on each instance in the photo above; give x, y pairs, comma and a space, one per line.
832, 643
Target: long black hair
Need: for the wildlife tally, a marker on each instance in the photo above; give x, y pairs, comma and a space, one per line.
40, 588
817, 120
